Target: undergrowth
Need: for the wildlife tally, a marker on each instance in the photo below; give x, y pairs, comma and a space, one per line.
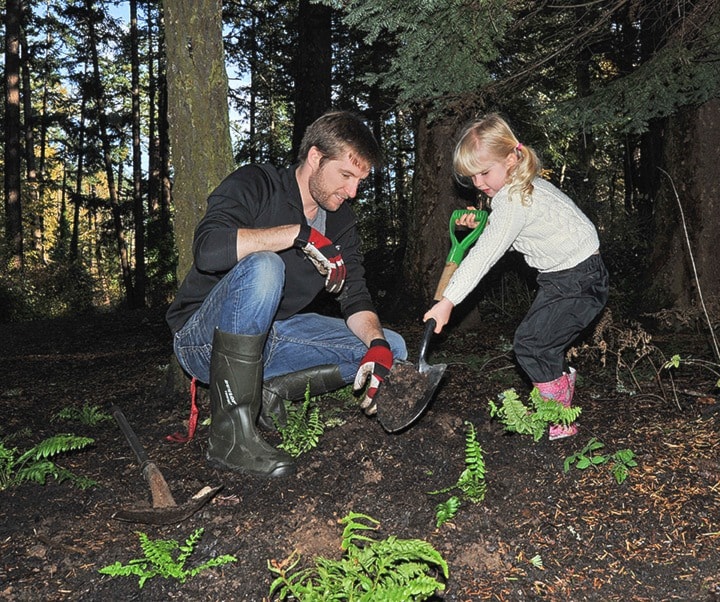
304, 426
524, 420
620, 463
471, 485
34, 465
88, 415
391, 570
158, 560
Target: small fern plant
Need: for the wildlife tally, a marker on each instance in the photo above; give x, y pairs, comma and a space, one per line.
159, 562
519, 418
304, 426
88, 415
35, 465
470, 484
391, 569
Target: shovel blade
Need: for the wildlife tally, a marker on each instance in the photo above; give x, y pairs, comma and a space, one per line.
400, 405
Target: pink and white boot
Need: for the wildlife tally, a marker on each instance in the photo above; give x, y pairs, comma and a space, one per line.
562, 390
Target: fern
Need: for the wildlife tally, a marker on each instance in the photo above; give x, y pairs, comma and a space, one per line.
158, 560
446, 510
89, 415
471, 482
518, 418
304, 427
390, 570
34, 465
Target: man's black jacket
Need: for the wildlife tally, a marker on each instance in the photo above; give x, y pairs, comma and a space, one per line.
262, 196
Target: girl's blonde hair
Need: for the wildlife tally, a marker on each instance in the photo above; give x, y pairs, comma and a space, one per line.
493, 135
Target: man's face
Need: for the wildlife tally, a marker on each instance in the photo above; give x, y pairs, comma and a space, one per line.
336, 180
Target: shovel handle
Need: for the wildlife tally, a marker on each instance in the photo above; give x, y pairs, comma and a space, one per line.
444, 279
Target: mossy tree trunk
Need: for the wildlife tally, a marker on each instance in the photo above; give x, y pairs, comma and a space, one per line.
199, 123
197, 83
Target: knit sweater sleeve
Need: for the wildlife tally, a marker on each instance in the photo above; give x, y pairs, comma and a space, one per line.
503, 226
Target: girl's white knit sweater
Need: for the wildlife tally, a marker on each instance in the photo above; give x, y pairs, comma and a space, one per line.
551, 232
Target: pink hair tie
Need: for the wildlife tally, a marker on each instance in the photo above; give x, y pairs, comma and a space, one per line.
519, 146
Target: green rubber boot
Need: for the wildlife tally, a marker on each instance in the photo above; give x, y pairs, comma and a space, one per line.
292, 387
235, 398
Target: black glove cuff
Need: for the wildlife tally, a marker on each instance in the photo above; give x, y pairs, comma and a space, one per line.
379, 343
303, 237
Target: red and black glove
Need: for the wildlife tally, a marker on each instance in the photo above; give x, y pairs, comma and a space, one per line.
376, 364
324, 255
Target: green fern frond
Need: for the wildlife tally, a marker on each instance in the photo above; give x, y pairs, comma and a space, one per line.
89, 415
304, 427
353, 524
159, 561
471, 482
390, 570
33, 465
55, 445
519, 418
446, 510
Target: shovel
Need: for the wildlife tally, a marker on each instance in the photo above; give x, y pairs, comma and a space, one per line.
406, 392
458, 248
165, 510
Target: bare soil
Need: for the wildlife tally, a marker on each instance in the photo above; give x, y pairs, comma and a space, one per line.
540, 534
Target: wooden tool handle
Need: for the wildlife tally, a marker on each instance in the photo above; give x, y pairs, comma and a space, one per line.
444, 279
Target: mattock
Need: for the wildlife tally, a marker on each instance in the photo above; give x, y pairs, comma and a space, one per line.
164, 509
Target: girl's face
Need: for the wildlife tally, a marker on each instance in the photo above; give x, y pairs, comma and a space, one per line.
493, 172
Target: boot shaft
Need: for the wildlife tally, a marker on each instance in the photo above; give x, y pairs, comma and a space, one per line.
292, 387
235, 397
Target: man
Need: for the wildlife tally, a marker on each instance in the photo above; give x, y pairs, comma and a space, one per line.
269, 242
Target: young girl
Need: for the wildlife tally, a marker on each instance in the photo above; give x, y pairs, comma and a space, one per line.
531, 216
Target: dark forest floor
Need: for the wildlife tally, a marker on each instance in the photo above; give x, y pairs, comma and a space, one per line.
655, 537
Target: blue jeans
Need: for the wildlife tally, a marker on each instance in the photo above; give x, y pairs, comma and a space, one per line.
245, 301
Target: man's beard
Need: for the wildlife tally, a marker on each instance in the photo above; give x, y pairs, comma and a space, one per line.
328, 201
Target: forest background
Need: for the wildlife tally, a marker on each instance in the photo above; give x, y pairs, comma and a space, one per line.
120, 117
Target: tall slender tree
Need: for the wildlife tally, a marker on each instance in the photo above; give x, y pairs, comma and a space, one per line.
138, 298
13, 147
91, 18
313, 67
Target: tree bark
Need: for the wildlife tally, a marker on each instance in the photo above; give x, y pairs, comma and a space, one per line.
138, 299
689, 192
12, 167
436, 196
313, 67
197, 86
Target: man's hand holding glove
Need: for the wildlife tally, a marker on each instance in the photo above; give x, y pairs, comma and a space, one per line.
327, 259
376, 364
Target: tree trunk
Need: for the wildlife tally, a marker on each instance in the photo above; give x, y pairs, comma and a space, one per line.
199, 122
138, 299
313, 67
436, 196
12, 167
79, 173
691, 142
197, 86
99, 91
